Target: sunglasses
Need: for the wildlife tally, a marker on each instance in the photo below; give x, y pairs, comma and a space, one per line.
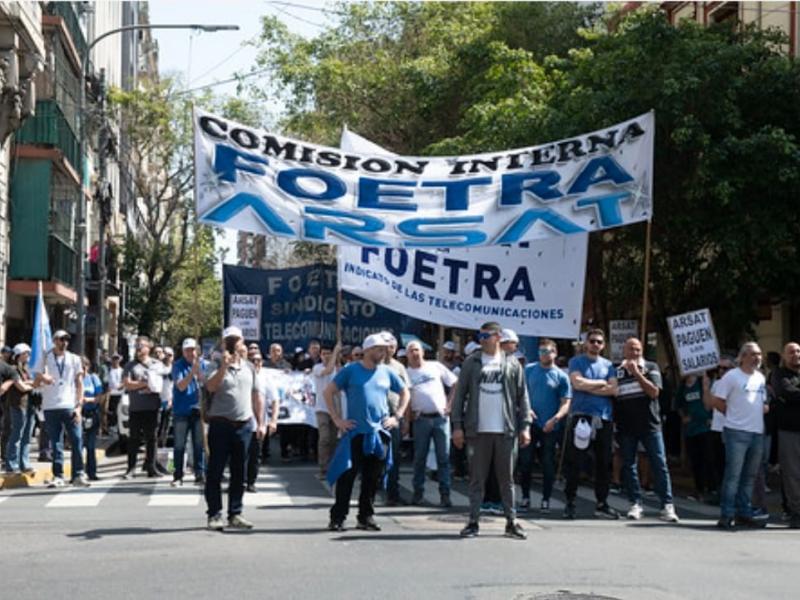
484, 335
358, 354
597, 342
546, 351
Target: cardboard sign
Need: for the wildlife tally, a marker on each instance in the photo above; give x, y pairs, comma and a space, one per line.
695, 341
618, 332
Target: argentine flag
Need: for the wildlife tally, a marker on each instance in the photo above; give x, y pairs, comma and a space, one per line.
42, 340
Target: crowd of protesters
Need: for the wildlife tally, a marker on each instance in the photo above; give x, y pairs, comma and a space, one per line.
488, 413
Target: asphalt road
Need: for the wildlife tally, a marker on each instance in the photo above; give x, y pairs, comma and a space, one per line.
143, 539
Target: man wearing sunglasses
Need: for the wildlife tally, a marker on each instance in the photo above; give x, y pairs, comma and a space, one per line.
550, 394
594, 384
490, 410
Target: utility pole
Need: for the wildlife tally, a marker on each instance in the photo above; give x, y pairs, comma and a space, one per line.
102, 199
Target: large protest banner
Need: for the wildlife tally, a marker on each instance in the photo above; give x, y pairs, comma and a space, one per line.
535, 291
695, 341
299, 304
253, 180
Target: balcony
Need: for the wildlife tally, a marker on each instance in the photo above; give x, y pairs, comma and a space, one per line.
66, 11
61, 262
49, 127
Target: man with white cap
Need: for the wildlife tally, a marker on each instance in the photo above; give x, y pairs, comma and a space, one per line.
62, 395
448, 357
235, 405
366, 445
430, 408
397, 409
187, 378
509, 341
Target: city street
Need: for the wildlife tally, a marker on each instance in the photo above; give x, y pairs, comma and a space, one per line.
142, 538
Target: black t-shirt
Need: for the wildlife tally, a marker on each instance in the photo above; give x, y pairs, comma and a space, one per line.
634, 411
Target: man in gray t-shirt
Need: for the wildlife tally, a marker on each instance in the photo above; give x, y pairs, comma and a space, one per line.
141, 378
236, 407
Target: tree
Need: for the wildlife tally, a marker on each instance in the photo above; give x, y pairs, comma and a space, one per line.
159, 161
432, 78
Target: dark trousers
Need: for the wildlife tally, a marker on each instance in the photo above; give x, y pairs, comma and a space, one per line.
143, 426
90, 440
371, 469
601, 450
543, 444
700, 449
226, 441
487, 451
254, 458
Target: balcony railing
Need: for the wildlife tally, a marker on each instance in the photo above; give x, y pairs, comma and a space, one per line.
66, 11
61, 262
48, 126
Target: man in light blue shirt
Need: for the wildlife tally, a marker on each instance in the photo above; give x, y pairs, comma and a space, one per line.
594, 384
366, 384
550, 393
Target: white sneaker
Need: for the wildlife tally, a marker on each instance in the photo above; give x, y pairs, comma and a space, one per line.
635, 512
56, 482
668, 514
216, 523
80, 481
176, 483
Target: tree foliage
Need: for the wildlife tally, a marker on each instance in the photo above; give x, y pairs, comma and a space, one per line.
453, 78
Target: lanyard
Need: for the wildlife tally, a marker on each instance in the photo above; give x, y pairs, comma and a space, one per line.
61, 366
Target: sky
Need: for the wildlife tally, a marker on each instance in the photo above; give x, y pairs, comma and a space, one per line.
206, 58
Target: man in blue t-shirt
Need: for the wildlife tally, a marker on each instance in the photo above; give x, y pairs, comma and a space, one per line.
550, 393
187, 374
594, 384
366, 384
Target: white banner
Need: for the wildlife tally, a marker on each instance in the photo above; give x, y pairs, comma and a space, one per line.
535, 291
618, 332
295, 391
252, 180
245, 313
695, 341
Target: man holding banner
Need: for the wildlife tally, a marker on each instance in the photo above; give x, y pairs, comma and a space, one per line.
366, 445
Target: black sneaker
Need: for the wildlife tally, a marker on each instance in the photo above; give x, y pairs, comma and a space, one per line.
569, 510
794, 522
726, 524
251, 488
368, 524
445, 501
129, 474
335, 525
199, 480
417, 499
514, 530
471, 530
604, 511
750, 523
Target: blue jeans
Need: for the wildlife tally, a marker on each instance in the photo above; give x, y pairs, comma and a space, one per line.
19, 440
545, 443
226, 441
393, 476
653, 442
743, 450
90, 440
58, 421
437, 428
184, 424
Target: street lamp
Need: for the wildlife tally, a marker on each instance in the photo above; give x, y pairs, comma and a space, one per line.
81, 267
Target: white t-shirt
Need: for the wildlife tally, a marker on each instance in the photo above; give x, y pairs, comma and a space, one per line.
427, 387
744, 397
64, 370
115, 381
267, 388
320, 383
490, 403
717, 418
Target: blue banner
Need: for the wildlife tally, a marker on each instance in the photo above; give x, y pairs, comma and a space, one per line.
294, 306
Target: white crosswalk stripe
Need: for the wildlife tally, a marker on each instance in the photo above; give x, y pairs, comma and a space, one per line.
82, 497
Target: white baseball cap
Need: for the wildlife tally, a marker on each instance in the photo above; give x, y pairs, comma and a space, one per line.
20, 348
583, 434
60, 334
390, 339
232, 331
401, 353
508, 335
471, 347
376, 339
169, 350
449, 346
189, 343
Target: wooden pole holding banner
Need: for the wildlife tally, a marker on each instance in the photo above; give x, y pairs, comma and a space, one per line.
646, 290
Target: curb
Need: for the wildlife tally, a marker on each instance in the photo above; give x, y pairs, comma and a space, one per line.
44, 472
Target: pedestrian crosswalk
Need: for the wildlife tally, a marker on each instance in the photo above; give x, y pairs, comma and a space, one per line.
294, 487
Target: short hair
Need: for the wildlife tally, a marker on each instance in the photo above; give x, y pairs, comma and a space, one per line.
595, 331
747, 347
491, 326
416, 343
547, 342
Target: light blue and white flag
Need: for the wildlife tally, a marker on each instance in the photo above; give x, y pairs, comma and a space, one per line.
42, 340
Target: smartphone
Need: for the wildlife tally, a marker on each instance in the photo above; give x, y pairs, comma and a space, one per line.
230, 345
